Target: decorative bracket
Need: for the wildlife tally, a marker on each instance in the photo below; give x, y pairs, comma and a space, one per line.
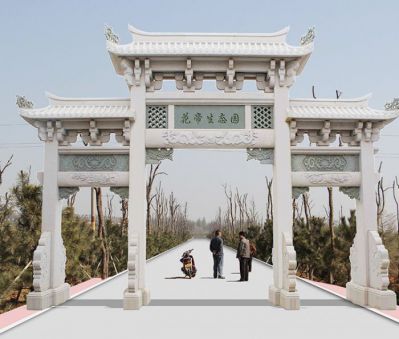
127, 71
187, 81
266, 81
123, 192
137, 72
291, 71
324, 136
95, 137
371, 132
298, 191
351, 192
281, 73
45, 130
64, 137
123, 137
231, 81
152, 81
66, 192
156, 155
295, 134
263, 155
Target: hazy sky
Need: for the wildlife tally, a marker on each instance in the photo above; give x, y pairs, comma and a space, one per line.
59, 46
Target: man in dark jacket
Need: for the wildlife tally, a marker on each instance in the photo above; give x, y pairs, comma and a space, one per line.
216, 247
243, 254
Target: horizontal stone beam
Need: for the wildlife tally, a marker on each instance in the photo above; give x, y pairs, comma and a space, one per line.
210, 139
322, 179
93, 179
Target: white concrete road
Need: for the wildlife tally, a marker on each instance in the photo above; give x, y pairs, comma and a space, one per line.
204, 308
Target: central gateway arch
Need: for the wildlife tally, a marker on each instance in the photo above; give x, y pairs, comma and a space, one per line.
150, 123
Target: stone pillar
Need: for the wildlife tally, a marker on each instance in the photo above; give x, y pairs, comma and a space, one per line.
137, 294
49, 257
283, 291
368, 256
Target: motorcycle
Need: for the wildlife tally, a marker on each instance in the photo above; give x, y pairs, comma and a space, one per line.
188, 262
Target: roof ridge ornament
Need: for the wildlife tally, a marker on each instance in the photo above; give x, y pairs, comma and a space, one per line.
110, 35
308, 37
22, 102
393, 105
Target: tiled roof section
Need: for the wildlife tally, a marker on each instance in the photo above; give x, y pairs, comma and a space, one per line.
65, 108
337, 109
202, 44
206, 48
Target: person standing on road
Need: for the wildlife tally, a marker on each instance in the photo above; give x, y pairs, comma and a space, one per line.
243, 255
216, 247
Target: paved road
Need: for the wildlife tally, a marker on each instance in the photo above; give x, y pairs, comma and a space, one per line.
203, 308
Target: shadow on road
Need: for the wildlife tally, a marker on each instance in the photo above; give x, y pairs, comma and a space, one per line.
118, 303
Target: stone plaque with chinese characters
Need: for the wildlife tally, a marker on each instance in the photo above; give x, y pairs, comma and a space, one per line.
210, 117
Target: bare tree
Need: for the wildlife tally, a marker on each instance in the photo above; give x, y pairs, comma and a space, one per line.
380, 200
269, 204
101, 233
150, 182
124, 210
229, 212
109, 207
395, 186
331, 227
306, 209
71, 200
2, 169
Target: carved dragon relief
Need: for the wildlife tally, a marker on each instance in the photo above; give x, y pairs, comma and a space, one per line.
263, 155
327, 179
132, 264
289, 263
173, 137
41, 263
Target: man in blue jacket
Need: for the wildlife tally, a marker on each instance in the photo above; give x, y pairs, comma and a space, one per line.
216, 247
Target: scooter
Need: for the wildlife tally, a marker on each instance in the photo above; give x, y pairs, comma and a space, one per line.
188, 262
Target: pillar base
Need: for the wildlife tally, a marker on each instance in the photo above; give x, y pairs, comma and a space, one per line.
132, 300
289, 300
283, 298
367, 296
146, 296
274, 295
357, 294
61, 294
48, 298
39, 300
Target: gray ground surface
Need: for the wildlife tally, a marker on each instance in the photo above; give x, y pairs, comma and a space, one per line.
203, 308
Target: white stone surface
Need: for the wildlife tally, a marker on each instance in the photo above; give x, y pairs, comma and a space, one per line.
342, 109
210, 139
368, 257
204, 308
237, 44
282, 206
